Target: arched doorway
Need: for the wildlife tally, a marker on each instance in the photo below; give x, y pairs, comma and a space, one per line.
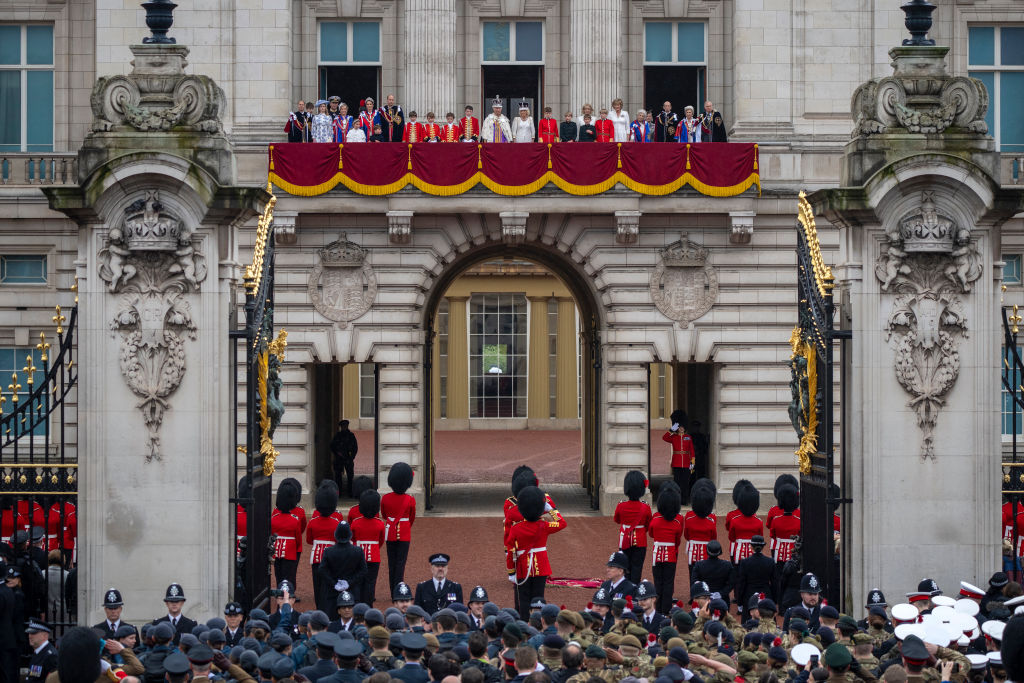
493, 355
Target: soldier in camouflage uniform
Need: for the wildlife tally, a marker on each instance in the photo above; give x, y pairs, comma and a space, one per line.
746, 665
766, 610
381, 657
862, 646
635, 661
594, 664
877, 624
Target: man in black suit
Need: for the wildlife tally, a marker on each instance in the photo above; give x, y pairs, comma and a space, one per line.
413, 645
717, 573
174, 599
616, 585
755, 575
647, 596
437, 593
112, 605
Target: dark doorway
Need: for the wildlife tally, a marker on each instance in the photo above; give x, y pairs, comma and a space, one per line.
351, 83
694, 395
680, 85
343, 391
511, 84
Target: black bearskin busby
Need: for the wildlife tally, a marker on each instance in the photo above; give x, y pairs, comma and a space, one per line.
749, 500
360, 484
1012, 649
287, 496
678, 417
530, 502
369, 503
737, 487
400, 477
78, 660
326, 499
784, 480
522, 471
525, 478
702, 497
244, 490
293, 483
670, 500
788, 497
634, 485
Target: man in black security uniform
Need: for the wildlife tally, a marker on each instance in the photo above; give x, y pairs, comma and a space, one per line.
113, 604
174, 599
646, 597
477, 599
616, 585
717, 573
438, 592
343, 455
44, 655
755, 575
342, 569
346, 620
347, 653
324, 642
413, 645
810, 600
234, 616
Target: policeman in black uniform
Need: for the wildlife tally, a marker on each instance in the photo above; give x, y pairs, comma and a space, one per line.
174, 598
755, 575
234, 616
438, 592
113, 604
617, 586
810, 600
44, 655
719, 574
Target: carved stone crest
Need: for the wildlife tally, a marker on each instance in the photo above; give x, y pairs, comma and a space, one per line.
342, 286
928, 263
153, 261
683, 285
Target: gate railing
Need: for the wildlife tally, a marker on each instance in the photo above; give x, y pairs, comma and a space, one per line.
39, 473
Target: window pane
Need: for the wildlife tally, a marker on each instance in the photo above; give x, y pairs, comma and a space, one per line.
496, 41
366, 41
989, 79
39, 44
10, 111
40, 107
27, 269
529, 39
691, 42
1011, 96
334, 41
1011, 45
10, 45
658, 42
981, 45
1011, 271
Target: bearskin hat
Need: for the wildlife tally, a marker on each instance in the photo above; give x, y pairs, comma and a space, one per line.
784, 480
244, 489
749, 500
287, 496
360, 484
294, 483
788, 497
670, 500
369, 503
523, 470
1012, 648
326, 499
526, 478
634, 485
678, 417
77, 661
702, 497
530, 502
400, 477
737, 487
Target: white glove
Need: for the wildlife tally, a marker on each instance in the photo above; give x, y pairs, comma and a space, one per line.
548, 507
675, 426
341, 585
511, 578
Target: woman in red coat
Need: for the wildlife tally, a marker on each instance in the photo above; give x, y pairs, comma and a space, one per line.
399, 512
633, 516
666, 531
529, 538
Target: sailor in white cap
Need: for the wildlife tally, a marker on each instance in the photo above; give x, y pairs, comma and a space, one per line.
496, 127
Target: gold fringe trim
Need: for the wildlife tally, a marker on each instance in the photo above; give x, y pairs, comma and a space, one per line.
271, 157
755, 156
549, 155
687, 156
619, 152
340, 146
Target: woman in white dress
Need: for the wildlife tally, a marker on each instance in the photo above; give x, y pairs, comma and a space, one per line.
323, 125
588, 110
522, 127
620, 118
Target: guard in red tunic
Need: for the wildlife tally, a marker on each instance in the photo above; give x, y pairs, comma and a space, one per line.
241, 518
299, 514
359, 484
666, 531
700, 524
682, 453
469, 126
786, 526
413, 131
450, 132
529, 538
60, 527
288, 530
605, 127
633, 516
320, 530
547, 127
735, 512
368, 535
522, 477
776, 510
399, 512
745, 525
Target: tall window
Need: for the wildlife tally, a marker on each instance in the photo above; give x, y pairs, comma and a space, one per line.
22, 269
20, 361
26, 88
512, 64
367, 402
442, 353
675, 64
1008, 407
995, 55
497, 355
1011, 271
512, 42
349, 57
674, 42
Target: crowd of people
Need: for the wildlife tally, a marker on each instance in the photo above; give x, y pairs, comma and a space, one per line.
334, 121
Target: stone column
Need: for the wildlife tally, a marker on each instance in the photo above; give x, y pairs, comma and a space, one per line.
567, 378
595, 28
430, 57
458, 359
538, 402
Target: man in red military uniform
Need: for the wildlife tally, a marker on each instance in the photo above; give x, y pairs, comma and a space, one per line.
633, 516
746, 524
682, 451
320, 531
787, 525
413, 131
450, 132
666, 530
522, 477
469, 126
547, 128
605, 128
700, 524
368, 535
288, 530
529, 538
399, 512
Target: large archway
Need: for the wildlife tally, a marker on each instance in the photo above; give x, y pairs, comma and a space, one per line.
588, 327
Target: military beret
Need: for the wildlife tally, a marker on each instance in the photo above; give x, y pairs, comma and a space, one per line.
304, 619
667, 632
432, 642
199, 629
258, 613
248, 660
826, 636
379, 633
373, 616
877, 611
746, 658
280, 640
829, 612
750, 624
176, 664
679, 655
672, 673
216, 623
326, 639
359, 609
348, 649
395, 622
250, 644
549, 611
414, 642
124, 630
417, 611
767, 605
461, 651
395, 641
837, 656
612, 639
778, 654
258, 623
682, 617
798, 625
860, 638
595, 652
554, 641
200, 654
629, 640
767, 639
345, 635
799, 612
463, 618
163, 631
847, 623
618, 604
319, 619
511, 612
637, 630
283, 668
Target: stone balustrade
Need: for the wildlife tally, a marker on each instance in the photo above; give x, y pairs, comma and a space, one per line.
38, 169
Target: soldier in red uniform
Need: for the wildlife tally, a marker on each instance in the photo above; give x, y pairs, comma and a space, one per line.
745, 525
522, 477
529, 539
776, 510
288, 530
399, 512
359, 484
469, 126
786, 526
299, 513
605, 127
320, 531
547, 127
666, 531
735, 512
450, 132
413, 131
12, 522
633, 516
700, 524
368, 535
241, 518
682, 452
61, 529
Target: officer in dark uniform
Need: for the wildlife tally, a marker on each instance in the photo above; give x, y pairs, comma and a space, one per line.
344, 447
810, 600
437, 593
342, 568
647, 614
347, 653
234, 616
113, 604
44, 655
876, 598
413, 645
755, 575
324, 642
717, 573
477, 600
174, 599
346, 620
617, 586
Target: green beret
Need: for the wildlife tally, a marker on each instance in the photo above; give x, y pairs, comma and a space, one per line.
746, 659
595, 652
837, 656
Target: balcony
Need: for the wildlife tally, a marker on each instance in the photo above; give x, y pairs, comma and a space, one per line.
38, 169
1011, 168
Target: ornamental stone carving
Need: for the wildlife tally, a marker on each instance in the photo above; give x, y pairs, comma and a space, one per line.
683, 285
342, 285
152, 259
928, 262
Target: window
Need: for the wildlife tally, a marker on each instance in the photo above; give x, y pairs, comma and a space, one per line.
497, 355
995, 55
442, 354
1011, 271
26, 88
674, 42
367, 405
513, 41
22, 269
18, 362
1008, 407
343, 42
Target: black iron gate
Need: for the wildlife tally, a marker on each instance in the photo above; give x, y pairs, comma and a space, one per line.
39, 473
812, 409
263, 410
1012, 471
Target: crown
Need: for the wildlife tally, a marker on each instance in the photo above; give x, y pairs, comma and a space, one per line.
341, 254
684, 253
926, 230
148, 228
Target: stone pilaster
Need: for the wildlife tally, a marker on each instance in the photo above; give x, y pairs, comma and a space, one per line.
538, 400
567, 383
430, 57
595, 29
458, 359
